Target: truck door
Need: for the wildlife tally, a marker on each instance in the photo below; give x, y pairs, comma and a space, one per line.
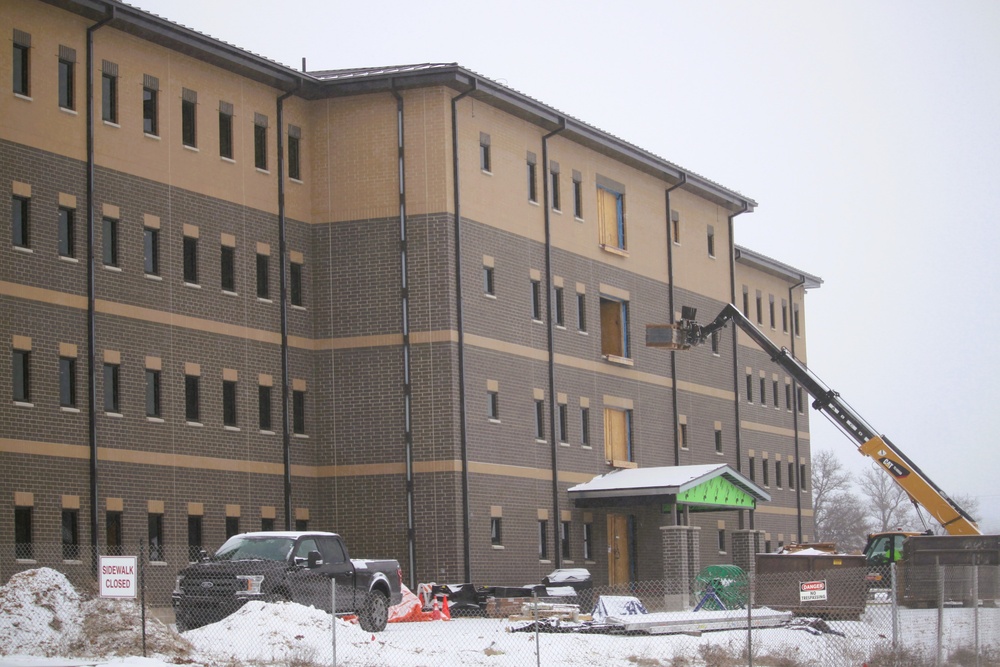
309, 586
337, 567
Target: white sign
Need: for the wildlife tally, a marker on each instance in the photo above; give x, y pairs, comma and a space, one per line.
810, 591
118, 577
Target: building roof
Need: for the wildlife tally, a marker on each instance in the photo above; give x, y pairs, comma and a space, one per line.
776, 268
355, 81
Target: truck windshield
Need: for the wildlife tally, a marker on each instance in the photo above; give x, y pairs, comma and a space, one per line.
240, 547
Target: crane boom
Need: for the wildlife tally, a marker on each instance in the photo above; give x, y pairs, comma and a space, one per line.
902, 470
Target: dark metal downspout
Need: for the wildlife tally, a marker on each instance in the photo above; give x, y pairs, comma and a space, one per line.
556, 517
795, 413
282, 262
405, 307
91, 287
736, 360
670, 304
463, 426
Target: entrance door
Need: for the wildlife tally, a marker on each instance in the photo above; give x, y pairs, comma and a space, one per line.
618, 550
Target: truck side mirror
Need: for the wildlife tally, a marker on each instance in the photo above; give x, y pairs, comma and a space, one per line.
315, 559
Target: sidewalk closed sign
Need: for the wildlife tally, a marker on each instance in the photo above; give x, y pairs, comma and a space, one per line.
810, 591
118, 577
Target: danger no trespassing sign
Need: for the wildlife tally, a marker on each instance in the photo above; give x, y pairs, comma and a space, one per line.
810, 591
118, 577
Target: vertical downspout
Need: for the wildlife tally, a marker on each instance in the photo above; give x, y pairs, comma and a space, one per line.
91, 287
736, 360
670, 304
405, 306
556, 517
795, 414
463, 426
282, 265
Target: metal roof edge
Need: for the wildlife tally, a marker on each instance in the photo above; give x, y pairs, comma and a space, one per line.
773, 266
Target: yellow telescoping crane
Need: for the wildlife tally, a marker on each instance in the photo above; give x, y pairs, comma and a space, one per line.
923, 492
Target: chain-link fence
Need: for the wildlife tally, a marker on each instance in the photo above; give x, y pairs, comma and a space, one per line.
934, 615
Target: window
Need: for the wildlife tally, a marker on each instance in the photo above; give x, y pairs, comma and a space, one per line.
770, 309
153, 393
577, 195
564, 541
21, 367
803, 480
189, 106
556, 198
67, 75
764, 469
264, 407
711, 241
588, 541
488, 284
560, 308
194, 537
788, 397
800, 400
760, 309
536, 300
763, 391
20, 222
156, 552
746, 302
228, 268
617, 435
23, 542
263, 284
581, 311
66, 232
485, 161
226, 130
749, 387
611, 218
722, 540
683, 431
585, 427
715, 338
191, 260
70, 534
109, 230
151, 251
784, 316
113, 533
539, 419
777, 474
150, 105
675, 226
109, 92
563, 422
753, 469
795, 319
260, 141
532, 179
301, 524
496, 527
299, 412
791, 476
493, 404
614, 328
229, 403
232, 526
112, 396
296, 283
543, 539
67, 382
22, 50
191, 403
718, 441
294, 153
266, 523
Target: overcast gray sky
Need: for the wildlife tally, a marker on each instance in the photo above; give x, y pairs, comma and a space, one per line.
868, 132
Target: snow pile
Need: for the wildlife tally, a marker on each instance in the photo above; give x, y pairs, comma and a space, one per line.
41, 614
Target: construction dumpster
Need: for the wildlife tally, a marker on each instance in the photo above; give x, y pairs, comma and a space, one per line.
943, 569
812, 584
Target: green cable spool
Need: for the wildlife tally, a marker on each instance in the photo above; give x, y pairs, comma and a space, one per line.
728, 582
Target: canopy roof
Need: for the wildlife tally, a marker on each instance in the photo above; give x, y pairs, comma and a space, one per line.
700, 487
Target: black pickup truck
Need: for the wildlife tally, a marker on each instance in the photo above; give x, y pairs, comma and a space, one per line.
286, 566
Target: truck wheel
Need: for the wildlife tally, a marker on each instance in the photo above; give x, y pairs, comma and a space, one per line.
374, 612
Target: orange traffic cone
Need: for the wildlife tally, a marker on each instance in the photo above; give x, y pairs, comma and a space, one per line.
445, 612
436, 611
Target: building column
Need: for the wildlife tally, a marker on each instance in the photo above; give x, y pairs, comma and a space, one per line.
681, 563
746, 545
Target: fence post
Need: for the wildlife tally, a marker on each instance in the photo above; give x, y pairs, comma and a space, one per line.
142, 596
939, 572
333, 616
893, 592
975, 608
538, 646
750, 589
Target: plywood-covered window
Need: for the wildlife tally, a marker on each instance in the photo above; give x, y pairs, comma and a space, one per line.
617, 435
614, 328
611, 218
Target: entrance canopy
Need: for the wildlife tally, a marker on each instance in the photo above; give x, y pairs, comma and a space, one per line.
700, 487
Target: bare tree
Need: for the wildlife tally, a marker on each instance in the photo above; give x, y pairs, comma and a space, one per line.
847, 523
888, 505
829, 478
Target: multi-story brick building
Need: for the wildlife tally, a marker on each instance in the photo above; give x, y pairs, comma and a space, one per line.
236, 296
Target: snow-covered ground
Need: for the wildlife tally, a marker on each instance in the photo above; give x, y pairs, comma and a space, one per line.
44, 622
